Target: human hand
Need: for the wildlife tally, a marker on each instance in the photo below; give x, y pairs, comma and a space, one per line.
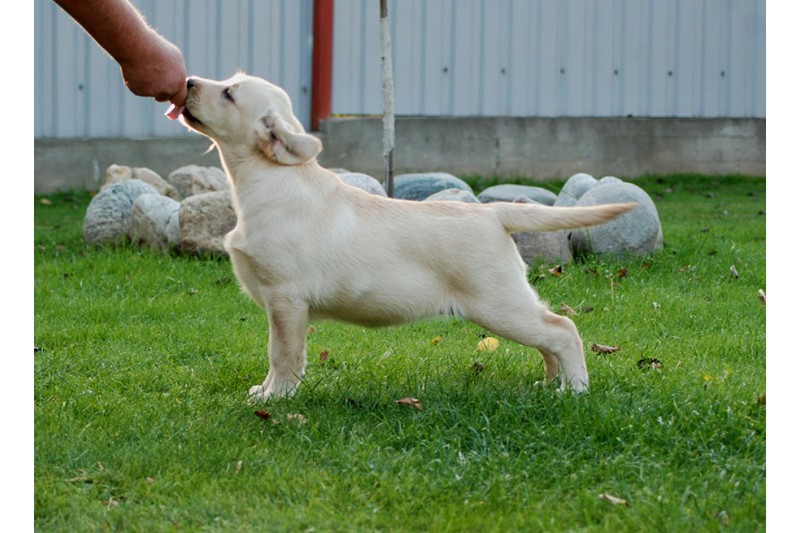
157, 70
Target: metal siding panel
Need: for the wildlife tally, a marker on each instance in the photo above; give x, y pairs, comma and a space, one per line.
451, 57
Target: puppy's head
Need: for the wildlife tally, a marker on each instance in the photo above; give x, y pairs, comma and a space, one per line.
250, 114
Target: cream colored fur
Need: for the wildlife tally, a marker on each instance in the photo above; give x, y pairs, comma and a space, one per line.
306, 246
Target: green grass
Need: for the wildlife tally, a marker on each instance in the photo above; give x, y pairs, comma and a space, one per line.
142, 423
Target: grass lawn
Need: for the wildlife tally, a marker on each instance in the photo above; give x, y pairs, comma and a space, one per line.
144, 360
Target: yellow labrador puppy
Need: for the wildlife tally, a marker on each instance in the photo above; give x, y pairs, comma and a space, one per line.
307, 246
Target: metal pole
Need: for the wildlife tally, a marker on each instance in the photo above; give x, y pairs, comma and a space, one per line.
387, 84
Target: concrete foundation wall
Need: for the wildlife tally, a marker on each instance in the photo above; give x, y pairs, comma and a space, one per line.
535, 148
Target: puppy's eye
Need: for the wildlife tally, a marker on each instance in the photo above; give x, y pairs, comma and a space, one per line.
227, 94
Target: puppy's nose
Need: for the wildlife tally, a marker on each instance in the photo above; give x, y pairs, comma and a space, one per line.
190, 83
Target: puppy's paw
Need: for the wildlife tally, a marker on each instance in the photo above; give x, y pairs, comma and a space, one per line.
276, 389
257, 394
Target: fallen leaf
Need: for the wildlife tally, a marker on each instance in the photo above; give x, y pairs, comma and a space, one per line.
567, 310
614, 500
556, 270
192, 292
239, 465
262, 414
723, 518
649, 363
762, 296
436, 340
46, 201
311, 330
296, 417
622, 273
734, 272
587, 309
762, 400
603, 349
489, 344
323, 355
413, 402
478, 367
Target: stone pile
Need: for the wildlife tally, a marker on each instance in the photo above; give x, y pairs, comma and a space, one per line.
190, 211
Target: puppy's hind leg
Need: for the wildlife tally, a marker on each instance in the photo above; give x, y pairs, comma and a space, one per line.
520, 317
288, 323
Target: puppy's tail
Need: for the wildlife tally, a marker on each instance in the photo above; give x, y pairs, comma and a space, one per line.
532, 217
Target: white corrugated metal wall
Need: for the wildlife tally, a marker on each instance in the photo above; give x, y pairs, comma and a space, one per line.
682, 58
79, 91
679, 58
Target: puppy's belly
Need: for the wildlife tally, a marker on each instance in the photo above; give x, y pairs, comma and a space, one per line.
380, 308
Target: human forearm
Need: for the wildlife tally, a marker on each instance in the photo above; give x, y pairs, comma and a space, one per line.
151, 65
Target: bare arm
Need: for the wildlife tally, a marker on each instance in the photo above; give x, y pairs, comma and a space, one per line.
150, 64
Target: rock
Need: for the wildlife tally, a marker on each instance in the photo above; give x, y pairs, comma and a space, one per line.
605, 180
363, 181
510, 192
109, 213
205, 219
575, 187
119, 173
637, 232
543, 247
420, 186
155, 221
453, 195
193, 179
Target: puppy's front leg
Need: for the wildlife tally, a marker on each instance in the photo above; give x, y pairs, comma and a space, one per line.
288, 323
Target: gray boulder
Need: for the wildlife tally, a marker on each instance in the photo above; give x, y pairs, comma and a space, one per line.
193, 179
362, 181
119, 173
575, 187
155, 221
543, 247
637, 232
605, 180
510, 192
109, 213
205, 219
453, 195
420, 186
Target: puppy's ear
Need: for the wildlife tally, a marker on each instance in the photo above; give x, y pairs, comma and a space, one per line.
284, 146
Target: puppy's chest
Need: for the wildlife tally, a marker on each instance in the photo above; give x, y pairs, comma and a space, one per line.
286, 246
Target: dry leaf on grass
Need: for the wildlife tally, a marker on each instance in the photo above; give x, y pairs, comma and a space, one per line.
567, 310
478, 367
762, 296
622, 273
603, 349
734, 272
262, 414
614, 500
413, 402
556, 270
436, 340
489, 344
239, 465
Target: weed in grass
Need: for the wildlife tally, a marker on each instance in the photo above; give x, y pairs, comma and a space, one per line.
145, 358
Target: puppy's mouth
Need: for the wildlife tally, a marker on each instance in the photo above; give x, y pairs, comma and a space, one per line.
191, 119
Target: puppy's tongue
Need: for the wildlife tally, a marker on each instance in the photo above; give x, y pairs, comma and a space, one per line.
174, 111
